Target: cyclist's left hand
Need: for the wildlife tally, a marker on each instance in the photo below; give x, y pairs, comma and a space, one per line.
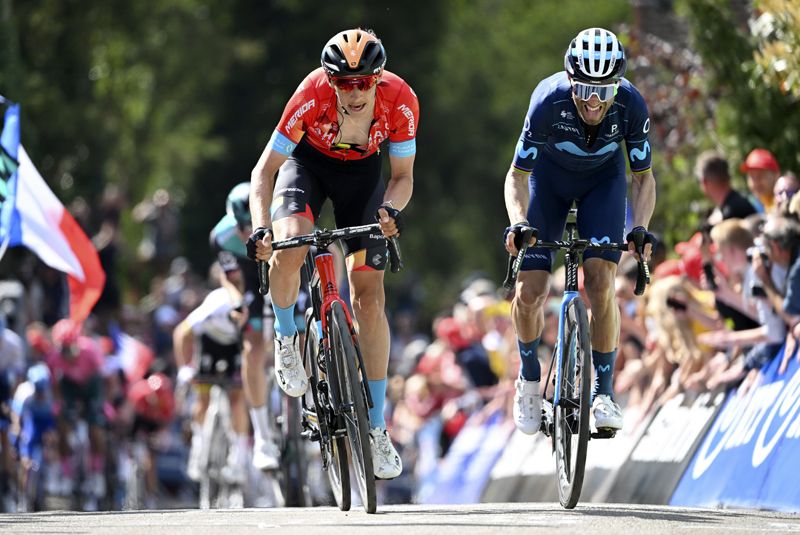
649, 240
391, 221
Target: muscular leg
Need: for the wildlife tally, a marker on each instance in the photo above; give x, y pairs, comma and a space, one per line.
599, 282
254, 361
239, 420
527, 308
284, 271
367, 296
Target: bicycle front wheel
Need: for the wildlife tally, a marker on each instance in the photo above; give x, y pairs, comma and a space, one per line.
355, 403
333, 448
571, 414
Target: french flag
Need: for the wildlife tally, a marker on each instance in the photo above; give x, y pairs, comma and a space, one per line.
32, 216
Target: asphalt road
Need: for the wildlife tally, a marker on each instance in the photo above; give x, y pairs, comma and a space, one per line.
407, 520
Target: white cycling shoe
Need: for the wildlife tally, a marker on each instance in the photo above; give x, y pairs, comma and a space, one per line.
289, 371
527, 406
385, 460
607, 414
266, 455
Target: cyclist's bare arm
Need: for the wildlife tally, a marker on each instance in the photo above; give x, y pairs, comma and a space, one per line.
517, 198
643, 197
643, 201
401, 184
182, 343
262, 180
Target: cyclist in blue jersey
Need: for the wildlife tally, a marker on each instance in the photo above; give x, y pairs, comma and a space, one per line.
230, 234
570, 150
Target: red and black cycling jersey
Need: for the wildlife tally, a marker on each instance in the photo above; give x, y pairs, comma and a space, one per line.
312, 112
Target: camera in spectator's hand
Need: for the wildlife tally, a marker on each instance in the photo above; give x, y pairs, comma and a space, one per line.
757, 249
758, 291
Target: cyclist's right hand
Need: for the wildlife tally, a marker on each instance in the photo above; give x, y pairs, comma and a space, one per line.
259, 244
512, 237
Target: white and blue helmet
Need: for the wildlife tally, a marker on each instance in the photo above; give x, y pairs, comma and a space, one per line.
595, 56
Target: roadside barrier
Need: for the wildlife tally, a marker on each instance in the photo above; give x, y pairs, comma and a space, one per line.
750, 456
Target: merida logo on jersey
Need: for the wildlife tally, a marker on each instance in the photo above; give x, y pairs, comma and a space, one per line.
640, 154
299, 113
408, 114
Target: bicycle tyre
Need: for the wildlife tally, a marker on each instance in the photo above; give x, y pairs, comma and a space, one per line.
353, 395
571, 433
293, 457
334, 449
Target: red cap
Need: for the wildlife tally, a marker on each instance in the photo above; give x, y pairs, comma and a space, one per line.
760, 159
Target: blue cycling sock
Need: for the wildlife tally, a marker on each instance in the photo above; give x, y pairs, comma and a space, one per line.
530, 369
604, 372
377, 389
284, 320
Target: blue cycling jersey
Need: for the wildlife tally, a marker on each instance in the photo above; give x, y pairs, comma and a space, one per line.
554, 129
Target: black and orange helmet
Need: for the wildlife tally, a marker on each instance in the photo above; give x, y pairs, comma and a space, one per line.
353, 53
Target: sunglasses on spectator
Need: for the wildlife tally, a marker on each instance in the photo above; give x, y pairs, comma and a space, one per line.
585, 91
362, 83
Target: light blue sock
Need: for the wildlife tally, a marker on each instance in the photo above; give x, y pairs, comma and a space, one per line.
377, 389
604, 372
530, 369
284, 320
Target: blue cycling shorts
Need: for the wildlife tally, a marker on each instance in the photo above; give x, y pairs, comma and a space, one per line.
600, 195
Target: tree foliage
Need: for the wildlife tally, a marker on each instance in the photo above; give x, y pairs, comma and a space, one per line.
183, 94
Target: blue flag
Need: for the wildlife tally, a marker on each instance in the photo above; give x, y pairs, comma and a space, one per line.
10, 233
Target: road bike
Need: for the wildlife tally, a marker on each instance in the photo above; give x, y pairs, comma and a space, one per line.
334, 410
565, 410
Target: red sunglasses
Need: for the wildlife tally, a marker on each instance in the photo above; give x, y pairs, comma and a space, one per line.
363, 83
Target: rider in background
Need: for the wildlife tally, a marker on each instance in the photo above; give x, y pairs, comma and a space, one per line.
230, 235
326, 145
76, 363
153, 403
208, 346
570, 150
12, 366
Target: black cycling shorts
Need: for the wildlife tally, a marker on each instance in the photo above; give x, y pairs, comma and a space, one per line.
218, 363
355, 188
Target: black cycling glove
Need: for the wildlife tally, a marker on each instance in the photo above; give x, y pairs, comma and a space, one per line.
257, 235
395, 214
517, 229
641, 235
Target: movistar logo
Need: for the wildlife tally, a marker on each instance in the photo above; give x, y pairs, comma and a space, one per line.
640, 154
531, 152
604, 239
526, 353
605, 368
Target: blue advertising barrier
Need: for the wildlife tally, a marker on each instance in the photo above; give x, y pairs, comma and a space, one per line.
463, 473
750, 456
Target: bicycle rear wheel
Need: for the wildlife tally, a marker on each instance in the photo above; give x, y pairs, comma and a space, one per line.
355, 402
571, 434
333, 449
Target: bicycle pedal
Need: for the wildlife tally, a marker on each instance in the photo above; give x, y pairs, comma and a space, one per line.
604, 432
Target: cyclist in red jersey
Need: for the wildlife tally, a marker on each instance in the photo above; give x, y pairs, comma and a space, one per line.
327, 145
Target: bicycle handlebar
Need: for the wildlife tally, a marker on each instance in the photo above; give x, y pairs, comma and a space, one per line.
322, 239
580, 245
